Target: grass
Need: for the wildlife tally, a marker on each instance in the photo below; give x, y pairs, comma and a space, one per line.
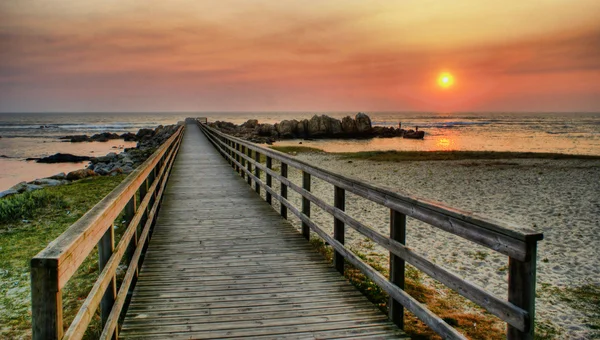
403, 156
457, 311
49, 211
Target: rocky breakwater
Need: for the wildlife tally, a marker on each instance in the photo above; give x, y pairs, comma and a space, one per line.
148, 141
319, 126
109, 165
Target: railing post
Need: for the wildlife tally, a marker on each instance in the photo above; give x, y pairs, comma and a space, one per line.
46, 300
283, 192
339, 201
229, 159
305, 204
521, 290
243, 161
397, 266
257, 171
237, 157
130, 210
269, 163
105, 250
249, 154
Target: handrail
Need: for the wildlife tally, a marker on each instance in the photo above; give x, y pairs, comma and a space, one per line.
520, 246
52, 268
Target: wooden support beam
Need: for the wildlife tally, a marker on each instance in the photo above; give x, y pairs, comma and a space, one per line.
257, 171
106, 247
339, 201
397, 266
283, 192
269, 180
521, 291
46, 300
249, 167
306, 204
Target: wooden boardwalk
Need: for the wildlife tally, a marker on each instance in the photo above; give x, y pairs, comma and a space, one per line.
223, 264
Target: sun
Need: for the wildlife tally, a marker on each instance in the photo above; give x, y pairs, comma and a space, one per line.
445, 80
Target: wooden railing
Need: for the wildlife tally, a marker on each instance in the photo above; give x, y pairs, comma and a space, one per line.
518, 312
138, 197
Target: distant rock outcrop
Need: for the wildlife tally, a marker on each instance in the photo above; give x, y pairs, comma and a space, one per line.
318, 126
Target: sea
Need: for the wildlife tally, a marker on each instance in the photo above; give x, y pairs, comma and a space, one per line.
25, 135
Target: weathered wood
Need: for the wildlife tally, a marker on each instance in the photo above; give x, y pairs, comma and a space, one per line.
493, 234
269, 164
106, 247
208, 275
514, 315
249, 166
305, 204
242, 156
521, 291
430, 319
397, 233
339, 230
46, 300
283, 189
82, 319
257, 171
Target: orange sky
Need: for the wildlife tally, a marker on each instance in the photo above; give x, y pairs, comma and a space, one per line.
116, 55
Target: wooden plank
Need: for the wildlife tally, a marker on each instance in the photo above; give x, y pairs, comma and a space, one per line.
46, 300
461, 223
72, 247
521, 292
398, 234
339, 230
220, 267
305, 204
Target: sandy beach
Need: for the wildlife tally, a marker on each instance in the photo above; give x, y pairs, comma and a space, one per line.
557, 197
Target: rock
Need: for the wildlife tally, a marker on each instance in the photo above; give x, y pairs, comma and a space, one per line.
319, 126
48, 182
266, 130
349, 126
127, 169
104, 137
250, 124
32, 187
59, 176
109, 157
63, 158
363, 123
129, 137
287, 128
336, 127
144, 133
20, 187
302, 128
8, 192
80, 174
77, 138
4, 156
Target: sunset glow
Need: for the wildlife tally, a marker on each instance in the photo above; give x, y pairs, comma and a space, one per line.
337, 55
445, 80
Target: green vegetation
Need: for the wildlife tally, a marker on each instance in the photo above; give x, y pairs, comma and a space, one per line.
49, 212
296, 149
403, 156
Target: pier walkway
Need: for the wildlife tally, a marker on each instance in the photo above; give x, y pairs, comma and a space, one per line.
207, 257
222, 263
